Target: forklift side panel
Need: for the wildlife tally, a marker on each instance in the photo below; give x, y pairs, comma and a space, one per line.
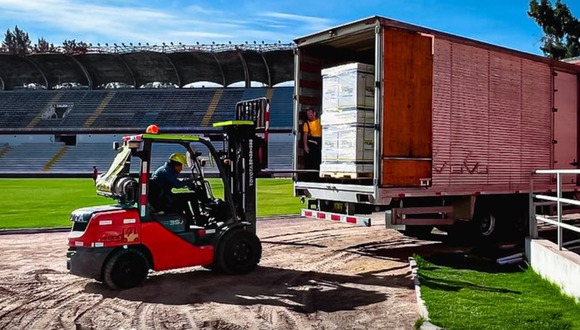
171, 251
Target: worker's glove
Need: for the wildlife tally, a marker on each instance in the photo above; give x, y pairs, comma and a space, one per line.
191, 186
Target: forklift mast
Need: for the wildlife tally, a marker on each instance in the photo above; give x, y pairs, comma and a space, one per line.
258, 111
246, 147
240, 154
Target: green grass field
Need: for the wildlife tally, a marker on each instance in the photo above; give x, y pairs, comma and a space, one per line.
39, 203
463, 293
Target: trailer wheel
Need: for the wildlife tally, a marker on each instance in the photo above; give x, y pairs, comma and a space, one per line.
125, 269
486, 224
238, 252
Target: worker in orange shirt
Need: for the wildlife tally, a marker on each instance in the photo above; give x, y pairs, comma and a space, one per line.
312, 140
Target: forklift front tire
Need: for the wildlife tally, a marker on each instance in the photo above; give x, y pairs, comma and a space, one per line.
238, 252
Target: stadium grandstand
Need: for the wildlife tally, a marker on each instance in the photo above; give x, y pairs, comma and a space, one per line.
60, 112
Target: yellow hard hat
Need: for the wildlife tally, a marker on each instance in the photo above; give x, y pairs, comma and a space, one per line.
178, 158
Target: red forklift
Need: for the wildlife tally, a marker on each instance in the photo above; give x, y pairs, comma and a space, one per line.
120, 244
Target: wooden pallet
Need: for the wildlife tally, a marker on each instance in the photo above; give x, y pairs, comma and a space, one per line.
345, 175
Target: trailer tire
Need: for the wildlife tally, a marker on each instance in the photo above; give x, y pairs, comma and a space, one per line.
239, 252
125, 269
486, 224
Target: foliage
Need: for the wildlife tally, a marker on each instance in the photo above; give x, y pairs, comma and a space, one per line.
17, 42
75, 47
42, 46
462, 292
561, 29
39, 203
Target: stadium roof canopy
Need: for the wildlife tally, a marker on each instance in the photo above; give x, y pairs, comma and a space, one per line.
138, 66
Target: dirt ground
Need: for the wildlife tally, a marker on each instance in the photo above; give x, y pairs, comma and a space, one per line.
314, 274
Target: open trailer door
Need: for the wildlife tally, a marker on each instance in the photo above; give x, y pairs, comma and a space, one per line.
407, 108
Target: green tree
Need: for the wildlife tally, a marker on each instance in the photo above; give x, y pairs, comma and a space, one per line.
42, 46
75, 47
17, 42
561, 29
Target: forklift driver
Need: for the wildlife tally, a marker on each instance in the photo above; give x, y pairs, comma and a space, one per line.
163, 180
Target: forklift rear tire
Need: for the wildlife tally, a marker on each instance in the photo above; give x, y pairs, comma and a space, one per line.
125, 269
238, 252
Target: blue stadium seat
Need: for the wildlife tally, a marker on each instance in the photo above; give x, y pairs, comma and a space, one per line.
133, 109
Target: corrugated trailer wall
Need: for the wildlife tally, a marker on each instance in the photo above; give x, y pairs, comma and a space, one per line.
492, 118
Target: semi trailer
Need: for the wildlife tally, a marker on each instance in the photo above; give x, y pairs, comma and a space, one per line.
443, 131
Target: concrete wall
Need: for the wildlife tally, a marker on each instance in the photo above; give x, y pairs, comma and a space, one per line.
559, 267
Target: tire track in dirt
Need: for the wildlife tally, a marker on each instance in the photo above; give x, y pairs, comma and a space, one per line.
108, 313
282, 248
189, 317
279, 318
52, 317
143, 317
313, 274
307, 284
69, 317
42, 305
157, 316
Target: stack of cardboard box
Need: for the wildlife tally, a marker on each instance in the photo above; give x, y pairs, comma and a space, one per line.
347, 120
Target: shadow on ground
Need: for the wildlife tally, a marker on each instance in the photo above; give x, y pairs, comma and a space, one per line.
301, 291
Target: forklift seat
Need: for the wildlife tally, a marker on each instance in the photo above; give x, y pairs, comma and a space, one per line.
156, 196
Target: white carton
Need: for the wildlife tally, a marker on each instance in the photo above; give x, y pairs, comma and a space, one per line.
349, 85
349, 169
347, 143
363, 116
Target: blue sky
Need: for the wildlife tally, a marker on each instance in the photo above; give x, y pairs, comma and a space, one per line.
503, 23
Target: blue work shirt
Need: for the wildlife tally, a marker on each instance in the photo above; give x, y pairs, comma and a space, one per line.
167, 178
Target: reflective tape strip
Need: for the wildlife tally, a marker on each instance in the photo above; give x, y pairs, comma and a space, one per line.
360, 221
79, 243
105, 222
99, 244
129, 221
143, 180
142, 210
210, 231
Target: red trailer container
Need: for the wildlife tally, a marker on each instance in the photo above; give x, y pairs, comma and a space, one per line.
459, 125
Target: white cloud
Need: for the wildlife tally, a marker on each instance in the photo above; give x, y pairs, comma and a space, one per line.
117, 21
309, 22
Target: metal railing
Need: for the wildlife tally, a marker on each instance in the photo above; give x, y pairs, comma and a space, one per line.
559, 200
